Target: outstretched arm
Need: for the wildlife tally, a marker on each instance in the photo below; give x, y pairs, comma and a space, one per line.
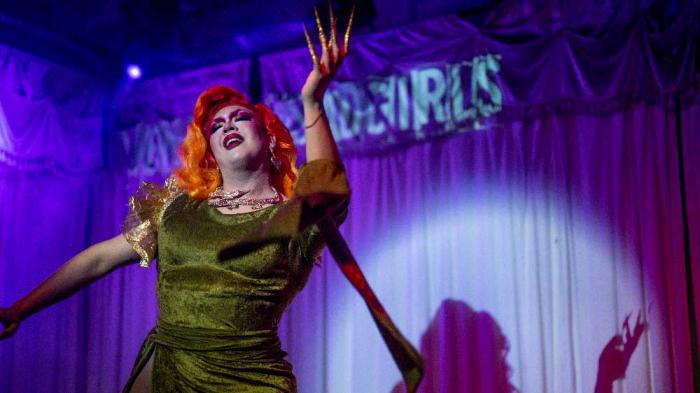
319, 139
81, 270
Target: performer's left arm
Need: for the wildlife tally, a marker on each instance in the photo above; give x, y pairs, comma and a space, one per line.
319, 138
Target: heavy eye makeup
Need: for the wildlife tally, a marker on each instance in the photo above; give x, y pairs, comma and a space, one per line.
239, 116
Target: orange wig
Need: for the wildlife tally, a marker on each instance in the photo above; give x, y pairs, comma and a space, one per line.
200, 175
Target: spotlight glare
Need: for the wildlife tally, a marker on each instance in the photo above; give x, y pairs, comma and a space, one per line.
133, 71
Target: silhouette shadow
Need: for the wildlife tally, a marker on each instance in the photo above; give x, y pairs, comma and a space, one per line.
615, 356
464, 351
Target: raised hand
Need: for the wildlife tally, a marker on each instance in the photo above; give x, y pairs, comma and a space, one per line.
615, 357
10, 321
632, 335
332, 56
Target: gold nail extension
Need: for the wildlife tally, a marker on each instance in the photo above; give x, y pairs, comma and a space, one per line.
311, 48
321, 34
347, 31
333, 24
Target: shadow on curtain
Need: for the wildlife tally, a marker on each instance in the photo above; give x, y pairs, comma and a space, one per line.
466, 351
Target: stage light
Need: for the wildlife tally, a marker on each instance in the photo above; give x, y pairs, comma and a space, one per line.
133, 71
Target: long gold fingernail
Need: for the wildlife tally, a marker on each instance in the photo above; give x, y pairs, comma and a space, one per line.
314, 58
333, 24
347, 31
321, 34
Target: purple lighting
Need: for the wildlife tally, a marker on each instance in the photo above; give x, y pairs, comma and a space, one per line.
133, 71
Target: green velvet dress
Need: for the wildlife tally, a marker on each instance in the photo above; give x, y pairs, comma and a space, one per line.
220, 302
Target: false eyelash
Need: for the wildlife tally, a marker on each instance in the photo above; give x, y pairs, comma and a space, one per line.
217, 126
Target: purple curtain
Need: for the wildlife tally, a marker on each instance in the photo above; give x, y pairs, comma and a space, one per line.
444, 76
510, 258
690, 124
66, 172
58, 197
148, 119
511, 253
88, 342
50, 117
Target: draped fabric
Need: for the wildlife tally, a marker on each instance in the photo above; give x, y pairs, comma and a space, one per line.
173, 96
88, 342
47, 109
444, 76
149, 118
509, 254
58, 195
511, 257
690, 124
547, 238
512, 254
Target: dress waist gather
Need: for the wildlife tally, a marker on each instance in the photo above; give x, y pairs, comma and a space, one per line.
194, 338
228, 358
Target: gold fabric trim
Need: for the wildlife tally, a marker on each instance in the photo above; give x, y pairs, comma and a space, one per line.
146, 207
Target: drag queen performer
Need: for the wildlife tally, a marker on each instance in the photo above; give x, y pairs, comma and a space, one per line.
220, 302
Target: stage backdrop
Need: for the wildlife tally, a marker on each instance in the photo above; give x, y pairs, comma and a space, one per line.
68, 149
57, 196
513, 201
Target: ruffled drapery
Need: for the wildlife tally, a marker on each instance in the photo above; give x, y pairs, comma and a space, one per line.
50, 116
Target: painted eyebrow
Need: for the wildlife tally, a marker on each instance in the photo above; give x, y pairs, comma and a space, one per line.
231, 115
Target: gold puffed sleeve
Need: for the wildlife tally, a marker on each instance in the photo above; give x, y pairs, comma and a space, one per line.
146, 207
325, 183
322, 176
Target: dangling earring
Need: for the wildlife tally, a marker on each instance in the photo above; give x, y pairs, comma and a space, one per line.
274, 160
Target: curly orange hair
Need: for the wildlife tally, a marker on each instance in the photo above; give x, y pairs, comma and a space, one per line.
200, 174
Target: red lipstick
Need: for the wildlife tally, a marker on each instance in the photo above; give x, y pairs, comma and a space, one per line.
232, 140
